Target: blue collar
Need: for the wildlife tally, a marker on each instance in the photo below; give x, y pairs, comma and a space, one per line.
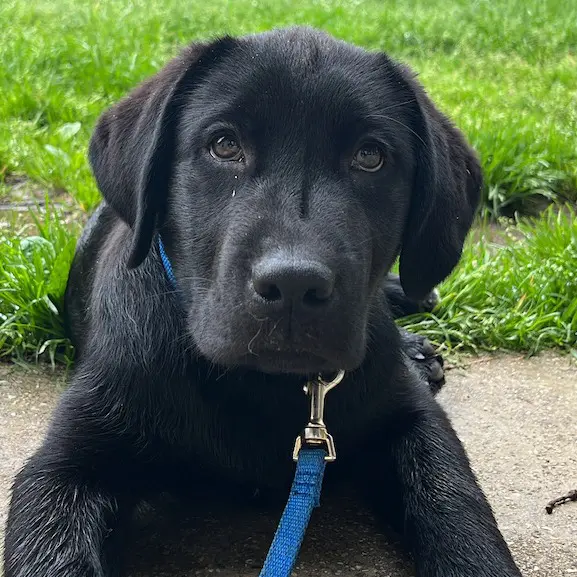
166, 264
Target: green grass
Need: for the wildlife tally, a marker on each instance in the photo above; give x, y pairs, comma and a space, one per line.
34, 263
505, 70
518, 294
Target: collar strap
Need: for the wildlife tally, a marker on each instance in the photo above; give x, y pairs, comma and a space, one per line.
166, 264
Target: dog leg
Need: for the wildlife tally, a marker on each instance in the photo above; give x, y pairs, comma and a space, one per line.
420, 475
424, 356
417, 348
68, 512
60, 524
400, 304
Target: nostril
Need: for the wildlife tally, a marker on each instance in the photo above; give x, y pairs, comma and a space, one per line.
268, 291
286, 281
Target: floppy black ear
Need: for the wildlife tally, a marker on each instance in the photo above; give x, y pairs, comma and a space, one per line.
131, 150
446, 193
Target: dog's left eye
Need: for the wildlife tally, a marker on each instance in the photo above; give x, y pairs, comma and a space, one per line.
369, 157
226, 147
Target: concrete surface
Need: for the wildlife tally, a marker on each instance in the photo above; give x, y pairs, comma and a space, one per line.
517, 418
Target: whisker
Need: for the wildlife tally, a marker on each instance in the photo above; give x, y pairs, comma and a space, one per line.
274, 326
224, 373
249, 346
386, 117
196, 278
399, 104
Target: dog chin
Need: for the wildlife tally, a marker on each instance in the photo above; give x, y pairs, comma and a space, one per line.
280, 358
297, 363
302, 363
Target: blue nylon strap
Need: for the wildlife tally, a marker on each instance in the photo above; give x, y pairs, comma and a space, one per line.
166, 263
304, 497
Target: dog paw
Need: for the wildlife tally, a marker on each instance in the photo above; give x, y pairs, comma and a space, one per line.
401, 305
429, 363
430, 301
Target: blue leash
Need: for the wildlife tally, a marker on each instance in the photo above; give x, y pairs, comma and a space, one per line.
304, 497
305, 491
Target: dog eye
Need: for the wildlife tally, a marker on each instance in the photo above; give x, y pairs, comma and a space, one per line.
226, 147
369, 157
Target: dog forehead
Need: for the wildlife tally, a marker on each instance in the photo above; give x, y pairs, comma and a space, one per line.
302, 46
298, 69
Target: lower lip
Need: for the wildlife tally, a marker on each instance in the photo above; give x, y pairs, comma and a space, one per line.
289, 362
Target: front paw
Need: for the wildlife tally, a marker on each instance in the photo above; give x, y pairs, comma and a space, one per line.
429, 302
401, 305
429, 363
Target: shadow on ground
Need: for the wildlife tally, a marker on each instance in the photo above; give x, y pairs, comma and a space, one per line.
230, 541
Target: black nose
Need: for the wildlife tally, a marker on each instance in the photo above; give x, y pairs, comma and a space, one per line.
285, 280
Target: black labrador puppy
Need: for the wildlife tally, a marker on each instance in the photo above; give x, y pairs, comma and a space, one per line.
283, 174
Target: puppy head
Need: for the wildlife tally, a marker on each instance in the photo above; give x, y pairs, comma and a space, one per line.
286, 171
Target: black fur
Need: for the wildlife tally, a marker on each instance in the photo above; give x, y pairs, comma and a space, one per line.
177, 387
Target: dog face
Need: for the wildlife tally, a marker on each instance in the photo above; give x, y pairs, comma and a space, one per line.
285, 172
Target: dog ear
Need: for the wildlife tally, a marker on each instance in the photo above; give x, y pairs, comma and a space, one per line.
446, 193
131, 150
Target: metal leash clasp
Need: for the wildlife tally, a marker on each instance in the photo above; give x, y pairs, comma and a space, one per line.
315, 434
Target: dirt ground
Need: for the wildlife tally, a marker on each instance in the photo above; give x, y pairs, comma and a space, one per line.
517, 418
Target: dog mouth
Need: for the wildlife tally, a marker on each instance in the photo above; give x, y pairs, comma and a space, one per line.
312, 342
298, 362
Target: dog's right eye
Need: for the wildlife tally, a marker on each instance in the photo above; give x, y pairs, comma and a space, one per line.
226, 147
369, 158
